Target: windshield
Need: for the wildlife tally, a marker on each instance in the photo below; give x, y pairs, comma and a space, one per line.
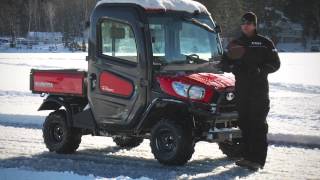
179, 41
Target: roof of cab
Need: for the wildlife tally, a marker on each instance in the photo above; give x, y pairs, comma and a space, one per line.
166, 5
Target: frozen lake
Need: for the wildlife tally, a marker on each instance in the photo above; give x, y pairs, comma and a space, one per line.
294, 118
294, 89
298, 68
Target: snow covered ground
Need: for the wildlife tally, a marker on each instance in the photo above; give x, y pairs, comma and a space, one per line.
294, 122
19, 174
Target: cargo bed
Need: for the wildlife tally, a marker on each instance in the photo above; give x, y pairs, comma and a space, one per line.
69, 82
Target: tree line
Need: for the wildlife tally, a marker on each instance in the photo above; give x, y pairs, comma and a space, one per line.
17, 17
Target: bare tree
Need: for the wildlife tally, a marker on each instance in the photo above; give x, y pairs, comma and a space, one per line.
51, 12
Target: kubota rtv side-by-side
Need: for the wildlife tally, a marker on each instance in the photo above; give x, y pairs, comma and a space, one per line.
151, 75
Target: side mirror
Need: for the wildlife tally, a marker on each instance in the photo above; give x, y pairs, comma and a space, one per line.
117, 33
218, 29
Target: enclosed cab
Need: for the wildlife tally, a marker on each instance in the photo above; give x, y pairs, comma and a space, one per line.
152, 73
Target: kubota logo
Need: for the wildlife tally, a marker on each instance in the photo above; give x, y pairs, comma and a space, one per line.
106, 88
230, 96
43, 84
256, 43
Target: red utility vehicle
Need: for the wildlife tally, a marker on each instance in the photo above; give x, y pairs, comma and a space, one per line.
151, 74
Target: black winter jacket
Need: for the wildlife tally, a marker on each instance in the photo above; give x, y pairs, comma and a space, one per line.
251, 59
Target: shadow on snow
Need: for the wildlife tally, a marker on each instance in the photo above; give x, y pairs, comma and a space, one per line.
101, 162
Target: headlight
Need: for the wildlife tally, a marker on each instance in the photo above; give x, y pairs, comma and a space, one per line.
195, 92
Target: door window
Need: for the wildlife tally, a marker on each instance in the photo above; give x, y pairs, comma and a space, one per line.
117, 40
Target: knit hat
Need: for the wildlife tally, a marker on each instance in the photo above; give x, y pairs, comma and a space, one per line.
249, 17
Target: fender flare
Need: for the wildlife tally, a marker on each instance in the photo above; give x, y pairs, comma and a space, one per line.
157, 102
55, 103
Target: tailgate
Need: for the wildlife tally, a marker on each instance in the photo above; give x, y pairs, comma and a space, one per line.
60, 82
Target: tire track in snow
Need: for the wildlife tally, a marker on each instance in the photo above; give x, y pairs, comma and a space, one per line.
23, 148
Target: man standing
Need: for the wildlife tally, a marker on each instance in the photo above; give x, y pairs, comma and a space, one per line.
251, 57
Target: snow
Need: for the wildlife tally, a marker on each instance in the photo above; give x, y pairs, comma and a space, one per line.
294, 90
176, 5
21, 64
23, 148
294, 130
18, 174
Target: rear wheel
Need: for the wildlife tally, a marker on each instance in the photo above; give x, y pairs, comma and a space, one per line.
232, 149
57, 136
127, 142
171, 143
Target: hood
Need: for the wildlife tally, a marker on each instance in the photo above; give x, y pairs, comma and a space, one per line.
219, 82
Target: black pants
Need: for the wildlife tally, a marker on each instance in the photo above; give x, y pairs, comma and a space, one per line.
253, 111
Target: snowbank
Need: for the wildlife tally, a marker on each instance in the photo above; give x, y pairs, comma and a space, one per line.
176, 5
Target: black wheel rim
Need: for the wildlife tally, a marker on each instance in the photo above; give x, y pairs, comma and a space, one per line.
166, 141
57, 133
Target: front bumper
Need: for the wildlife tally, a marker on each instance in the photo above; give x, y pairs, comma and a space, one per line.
223, 134
214, 116
223, 125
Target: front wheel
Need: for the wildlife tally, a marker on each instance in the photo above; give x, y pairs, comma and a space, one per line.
171, 143
57, 136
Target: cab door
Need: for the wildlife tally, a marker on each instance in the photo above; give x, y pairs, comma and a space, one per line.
117, 73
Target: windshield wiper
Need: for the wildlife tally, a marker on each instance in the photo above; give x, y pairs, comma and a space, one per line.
190, 59
198, 23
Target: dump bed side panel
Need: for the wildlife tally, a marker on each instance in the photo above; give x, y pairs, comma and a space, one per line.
60, 82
